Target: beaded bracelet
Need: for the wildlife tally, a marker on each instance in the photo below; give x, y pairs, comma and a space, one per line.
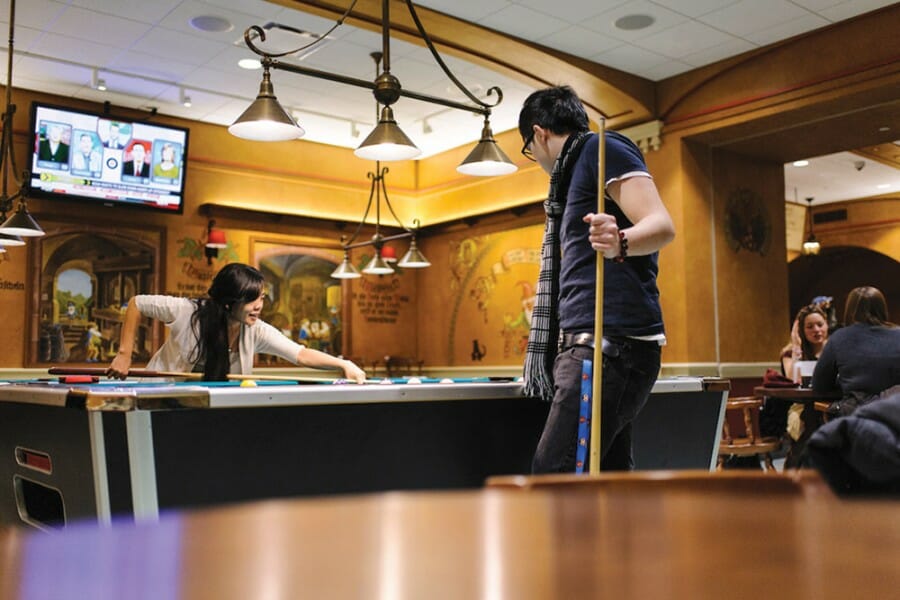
623, 247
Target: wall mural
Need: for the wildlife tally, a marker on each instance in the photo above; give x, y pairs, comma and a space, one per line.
87, 276
196, 270
492, 282
302, 300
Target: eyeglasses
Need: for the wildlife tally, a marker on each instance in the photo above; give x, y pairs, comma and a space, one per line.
526, 149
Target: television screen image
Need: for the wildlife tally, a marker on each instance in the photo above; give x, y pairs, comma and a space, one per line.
87, 156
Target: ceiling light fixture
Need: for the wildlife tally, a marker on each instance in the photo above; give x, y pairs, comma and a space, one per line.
184, 98
97, 82
380, 263
21, 223
811, 246
387, 141
634, 22
251, 64
800, 163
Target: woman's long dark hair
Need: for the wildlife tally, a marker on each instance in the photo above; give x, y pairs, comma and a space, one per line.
234, 285
867, 305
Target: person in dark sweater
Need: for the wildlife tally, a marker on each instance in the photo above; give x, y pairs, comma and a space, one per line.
626, 239
862, 358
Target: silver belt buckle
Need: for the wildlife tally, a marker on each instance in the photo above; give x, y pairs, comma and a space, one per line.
583, 339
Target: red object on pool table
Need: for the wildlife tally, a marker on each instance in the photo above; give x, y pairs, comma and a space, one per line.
79, 379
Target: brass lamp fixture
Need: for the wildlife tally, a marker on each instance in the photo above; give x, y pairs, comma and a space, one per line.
386, 142
380, 264
811, 246
385, 255
21, 223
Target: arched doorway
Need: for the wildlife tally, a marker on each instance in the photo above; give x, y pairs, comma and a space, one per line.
837, 270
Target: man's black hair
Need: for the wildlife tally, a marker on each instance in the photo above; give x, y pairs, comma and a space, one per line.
557, 108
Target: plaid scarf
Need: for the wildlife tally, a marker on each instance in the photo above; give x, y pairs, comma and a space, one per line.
544, 334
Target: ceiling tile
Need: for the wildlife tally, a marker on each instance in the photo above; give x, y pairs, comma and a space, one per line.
98, 27
523, 23
227, 58
470, 10
683, 39
261, 9
852, 8
90, 54
26, 39
820, 5
60, 88
168, 44
630, 59
137, 10
34, 13
578, 41
239, 82
133, 85
663, 70
151, 66
787, 29
695, 8
51, 70
572, 11
749, 16
732, 47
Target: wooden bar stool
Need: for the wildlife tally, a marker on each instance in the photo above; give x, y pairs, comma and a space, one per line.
740, 434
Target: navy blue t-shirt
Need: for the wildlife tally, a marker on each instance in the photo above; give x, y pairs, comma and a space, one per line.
631, 298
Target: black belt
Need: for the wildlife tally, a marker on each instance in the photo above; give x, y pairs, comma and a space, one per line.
567, 340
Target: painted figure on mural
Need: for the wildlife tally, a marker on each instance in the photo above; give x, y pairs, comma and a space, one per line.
94, 342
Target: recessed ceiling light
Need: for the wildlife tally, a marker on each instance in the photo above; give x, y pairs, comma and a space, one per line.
883, 186
211, 23
249, 63
634, 22
800, 163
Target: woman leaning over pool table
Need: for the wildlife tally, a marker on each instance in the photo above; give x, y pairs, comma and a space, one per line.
218, 335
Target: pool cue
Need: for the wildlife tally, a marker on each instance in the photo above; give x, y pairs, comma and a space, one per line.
241, 377
597, 388
101, 372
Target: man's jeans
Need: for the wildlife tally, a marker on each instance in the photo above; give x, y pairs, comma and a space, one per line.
627, 381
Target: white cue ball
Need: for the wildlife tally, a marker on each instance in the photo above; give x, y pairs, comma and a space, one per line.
446, 380
413, 380
385, 381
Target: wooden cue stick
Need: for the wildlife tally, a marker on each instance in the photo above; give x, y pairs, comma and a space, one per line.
101, 372
242, 377
597, 387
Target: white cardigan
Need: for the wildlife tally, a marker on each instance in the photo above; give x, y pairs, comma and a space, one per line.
175, 353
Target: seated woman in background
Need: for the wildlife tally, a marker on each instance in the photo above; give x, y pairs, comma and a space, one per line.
808, 337
861, 359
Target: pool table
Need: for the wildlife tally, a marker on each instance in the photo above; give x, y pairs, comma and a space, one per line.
131, 449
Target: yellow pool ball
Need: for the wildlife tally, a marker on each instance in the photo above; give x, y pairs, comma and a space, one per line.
248, 383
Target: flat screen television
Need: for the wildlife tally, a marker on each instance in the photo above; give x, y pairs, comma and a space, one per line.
97, 158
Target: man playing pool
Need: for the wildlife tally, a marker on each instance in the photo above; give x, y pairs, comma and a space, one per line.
217, 335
